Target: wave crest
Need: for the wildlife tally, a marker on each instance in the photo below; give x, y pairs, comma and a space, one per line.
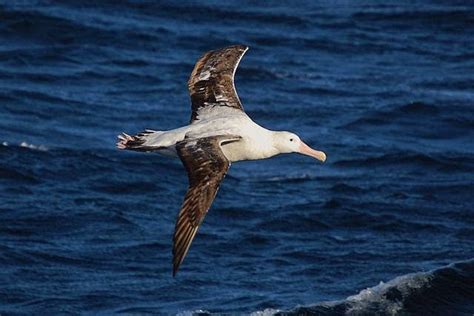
445, 291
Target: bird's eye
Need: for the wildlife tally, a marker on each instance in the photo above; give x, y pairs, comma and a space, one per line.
291, 139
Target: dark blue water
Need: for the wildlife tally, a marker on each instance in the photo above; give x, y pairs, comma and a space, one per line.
386, 90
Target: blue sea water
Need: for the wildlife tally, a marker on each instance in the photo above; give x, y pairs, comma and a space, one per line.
384, 227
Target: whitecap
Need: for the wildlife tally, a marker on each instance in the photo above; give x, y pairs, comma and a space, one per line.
31, 146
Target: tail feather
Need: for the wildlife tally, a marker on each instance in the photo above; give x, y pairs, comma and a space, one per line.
137, 142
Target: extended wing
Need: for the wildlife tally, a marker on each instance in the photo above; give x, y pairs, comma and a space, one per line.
211, 83
206, 166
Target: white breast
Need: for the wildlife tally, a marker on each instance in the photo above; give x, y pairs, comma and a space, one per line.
256, 143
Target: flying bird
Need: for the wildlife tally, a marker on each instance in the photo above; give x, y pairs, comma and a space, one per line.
219, 133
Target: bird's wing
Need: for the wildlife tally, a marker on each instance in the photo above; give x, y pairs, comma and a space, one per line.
211, 83
206, 166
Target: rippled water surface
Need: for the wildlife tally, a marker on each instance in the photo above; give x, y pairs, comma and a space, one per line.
386, 90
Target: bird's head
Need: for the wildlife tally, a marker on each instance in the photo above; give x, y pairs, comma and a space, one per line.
286, 142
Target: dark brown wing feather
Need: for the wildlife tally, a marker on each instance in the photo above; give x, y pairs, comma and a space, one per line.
212, 81
206, 166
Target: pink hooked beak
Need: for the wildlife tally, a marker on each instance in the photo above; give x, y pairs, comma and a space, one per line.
306, 150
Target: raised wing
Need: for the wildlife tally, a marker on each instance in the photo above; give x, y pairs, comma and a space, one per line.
206, 166
212, 81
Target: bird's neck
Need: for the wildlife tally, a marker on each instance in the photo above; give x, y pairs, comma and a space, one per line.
268, 146
258, 145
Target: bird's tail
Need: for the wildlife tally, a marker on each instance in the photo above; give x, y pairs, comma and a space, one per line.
143, 141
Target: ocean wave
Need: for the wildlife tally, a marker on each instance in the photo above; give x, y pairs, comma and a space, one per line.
428, 18
286, 179
439, 161
446, 120
34, 147
415, 110
26, 145
445, 291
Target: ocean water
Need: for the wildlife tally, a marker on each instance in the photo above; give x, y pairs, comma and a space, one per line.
384, 227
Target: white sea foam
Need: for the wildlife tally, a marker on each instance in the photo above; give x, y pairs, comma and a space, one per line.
368, 299
26, 145
34, 147
377, 294
265, 312
191, 313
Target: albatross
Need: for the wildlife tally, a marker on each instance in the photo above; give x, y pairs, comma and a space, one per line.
219, 133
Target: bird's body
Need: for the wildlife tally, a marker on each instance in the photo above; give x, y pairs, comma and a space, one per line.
256, 141
219, 133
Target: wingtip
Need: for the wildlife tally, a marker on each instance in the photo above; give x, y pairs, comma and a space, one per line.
243, 47
175, 269
236, 46
122, 140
